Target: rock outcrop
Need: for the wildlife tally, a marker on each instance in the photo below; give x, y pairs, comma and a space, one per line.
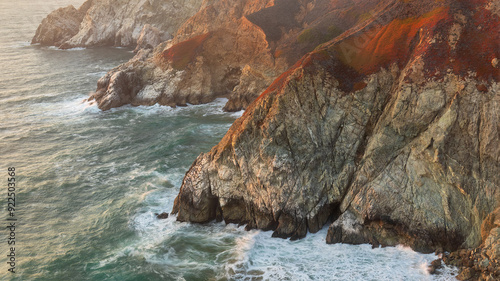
113, 23
391, 130
150, 37
235, 49
60, 25
482, 263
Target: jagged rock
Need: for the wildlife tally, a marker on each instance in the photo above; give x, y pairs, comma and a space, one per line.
399, 141
483, 262
121, 88
249, 87
161, 216
235, 49
466, 274
112, 23
435, 265
58, 26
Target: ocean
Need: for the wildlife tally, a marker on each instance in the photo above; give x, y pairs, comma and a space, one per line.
88, 183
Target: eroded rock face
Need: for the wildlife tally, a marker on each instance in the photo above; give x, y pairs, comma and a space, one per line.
482, 263
262, 155
150, 37
112, 23
235, 49
59, 25
398, 145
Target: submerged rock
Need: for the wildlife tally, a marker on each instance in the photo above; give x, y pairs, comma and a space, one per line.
395, 144
161, 216
435, 265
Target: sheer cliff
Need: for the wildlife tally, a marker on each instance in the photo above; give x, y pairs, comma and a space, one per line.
390, 131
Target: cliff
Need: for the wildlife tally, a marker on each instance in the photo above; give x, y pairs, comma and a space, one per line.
390, 131
231, 49
113, 23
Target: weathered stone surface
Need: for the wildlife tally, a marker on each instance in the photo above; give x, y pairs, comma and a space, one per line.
235, 49
466, 274
121, 87
399, 142
483, 263
112, 23
58, 26
150, 37
302, 182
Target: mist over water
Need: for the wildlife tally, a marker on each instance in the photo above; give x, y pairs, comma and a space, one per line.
89, 182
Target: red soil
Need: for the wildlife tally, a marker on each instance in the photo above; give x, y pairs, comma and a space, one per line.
391, 43
181, 54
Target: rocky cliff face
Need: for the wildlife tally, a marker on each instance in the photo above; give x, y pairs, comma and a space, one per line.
60, 25
113, 23
391, 131
233, 49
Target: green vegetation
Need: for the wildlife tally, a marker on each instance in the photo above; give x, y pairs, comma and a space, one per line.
333, 31
314, 35
307, 36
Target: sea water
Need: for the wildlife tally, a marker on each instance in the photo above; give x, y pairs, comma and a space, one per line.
88, 183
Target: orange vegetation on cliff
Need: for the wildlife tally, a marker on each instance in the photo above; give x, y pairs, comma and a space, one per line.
382, 45
479, 45
181, 54
474, 45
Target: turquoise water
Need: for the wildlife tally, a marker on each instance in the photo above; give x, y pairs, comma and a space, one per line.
89, 182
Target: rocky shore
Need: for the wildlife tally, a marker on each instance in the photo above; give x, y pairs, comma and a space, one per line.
481, 263
380, 119
394, 145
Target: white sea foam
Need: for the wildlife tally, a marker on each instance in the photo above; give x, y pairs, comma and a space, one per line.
204, 110
255, 255
67, 108
64, 50
23, 44
312, 259
237, 114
